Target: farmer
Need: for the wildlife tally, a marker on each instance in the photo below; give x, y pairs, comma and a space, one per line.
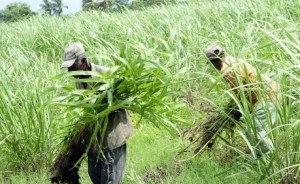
240, 75
105, 167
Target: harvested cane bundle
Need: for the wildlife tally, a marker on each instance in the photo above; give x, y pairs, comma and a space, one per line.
214, 126
207, 132
136, 84
65, 168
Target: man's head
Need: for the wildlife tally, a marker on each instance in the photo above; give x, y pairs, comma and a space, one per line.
75, 58
215, 54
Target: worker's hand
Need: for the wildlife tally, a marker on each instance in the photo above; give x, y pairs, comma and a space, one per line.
236, 114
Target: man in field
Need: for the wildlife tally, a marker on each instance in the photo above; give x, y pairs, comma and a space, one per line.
105, 167
258, 90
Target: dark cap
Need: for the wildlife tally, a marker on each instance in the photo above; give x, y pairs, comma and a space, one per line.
73, 52
214, 51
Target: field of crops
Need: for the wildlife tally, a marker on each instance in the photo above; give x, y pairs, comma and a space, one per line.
265, 32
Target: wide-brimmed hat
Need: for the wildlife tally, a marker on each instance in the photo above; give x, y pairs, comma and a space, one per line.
72, 52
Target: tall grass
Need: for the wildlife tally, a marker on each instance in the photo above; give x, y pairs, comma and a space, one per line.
265, 32
26, 129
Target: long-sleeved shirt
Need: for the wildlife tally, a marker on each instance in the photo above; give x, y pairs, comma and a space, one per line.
240, 75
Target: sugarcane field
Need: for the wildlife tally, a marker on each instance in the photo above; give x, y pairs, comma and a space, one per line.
150, 92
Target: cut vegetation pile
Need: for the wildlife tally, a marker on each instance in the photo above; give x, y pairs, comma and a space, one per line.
205, 133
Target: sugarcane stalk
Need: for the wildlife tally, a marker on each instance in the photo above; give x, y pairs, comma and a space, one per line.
66, 165
215, 125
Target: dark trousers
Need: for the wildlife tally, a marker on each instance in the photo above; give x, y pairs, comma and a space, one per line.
107, 167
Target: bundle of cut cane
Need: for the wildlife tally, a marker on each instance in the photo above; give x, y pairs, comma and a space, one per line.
205, 134
64, 169
136, 84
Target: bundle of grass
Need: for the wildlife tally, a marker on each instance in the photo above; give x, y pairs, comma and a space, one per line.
65, 168
136, 83
205, 134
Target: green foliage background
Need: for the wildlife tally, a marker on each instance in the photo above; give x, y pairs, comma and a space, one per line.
265, 32
15, 12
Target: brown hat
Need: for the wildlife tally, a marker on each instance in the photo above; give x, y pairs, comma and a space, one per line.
214, 51
73, 52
